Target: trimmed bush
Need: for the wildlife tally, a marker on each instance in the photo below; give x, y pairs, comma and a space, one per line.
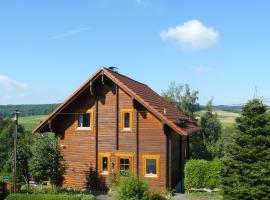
49, 197
202, 174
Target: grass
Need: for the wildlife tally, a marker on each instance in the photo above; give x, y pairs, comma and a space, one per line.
30, 122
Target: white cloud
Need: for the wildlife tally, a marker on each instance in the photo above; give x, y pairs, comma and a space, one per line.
192, 35
71, 32
7, 84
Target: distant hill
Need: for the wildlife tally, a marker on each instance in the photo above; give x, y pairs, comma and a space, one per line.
27, 110
45, 109
235, 109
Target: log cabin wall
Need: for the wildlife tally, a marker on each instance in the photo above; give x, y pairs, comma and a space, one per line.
79, 147
127, 139
153, 141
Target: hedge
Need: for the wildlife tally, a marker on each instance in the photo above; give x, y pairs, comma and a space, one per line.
202, 174
49, 197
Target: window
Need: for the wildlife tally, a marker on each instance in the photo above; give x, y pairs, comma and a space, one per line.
104, 163
124, 162
151, 166
85, 120
126, 119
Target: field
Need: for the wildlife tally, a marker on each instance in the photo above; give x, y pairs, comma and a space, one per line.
30, 122
225, 117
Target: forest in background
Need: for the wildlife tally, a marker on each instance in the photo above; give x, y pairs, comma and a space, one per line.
27, 110
45, 109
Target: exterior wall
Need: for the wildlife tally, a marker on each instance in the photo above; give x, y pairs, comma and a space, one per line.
79, 147
153, 141
127, 140
107, 120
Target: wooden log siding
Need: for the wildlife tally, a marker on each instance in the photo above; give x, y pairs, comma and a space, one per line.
152, 141
127, 139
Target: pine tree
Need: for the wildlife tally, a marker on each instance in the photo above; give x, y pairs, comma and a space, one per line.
246, 171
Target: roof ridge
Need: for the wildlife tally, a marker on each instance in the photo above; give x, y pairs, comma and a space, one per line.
124, 76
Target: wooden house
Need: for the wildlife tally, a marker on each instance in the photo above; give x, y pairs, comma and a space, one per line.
113, 123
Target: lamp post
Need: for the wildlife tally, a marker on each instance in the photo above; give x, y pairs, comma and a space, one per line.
15, 117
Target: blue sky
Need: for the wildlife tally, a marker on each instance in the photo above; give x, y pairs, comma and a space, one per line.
48, 48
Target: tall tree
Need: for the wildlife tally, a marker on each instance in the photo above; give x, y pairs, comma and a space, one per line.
6, 143
246, 172
186, 102
210, 124
47, 163
204, 144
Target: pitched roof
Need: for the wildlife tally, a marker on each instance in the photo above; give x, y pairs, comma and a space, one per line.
156, 104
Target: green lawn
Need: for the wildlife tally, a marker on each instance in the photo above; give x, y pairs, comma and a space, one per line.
30, 122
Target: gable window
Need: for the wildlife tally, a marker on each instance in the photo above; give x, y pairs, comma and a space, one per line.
104, 163
126, 119
151, 166
124, 162
85, 120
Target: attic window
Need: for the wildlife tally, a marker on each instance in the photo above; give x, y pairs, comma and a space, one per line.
85, 120
126, 119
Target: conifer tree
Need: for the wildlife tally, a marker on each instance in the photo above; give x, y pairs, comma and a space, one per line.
246, 171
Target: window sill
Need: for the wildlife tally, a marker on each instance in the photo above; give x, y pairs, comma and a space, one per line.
84, 129
104, 173
151, 176
126, 130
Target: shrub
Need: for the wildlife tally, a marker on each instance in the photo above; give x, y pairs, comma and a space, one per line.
40, 189
156, 196
49, 197
212, 175
202, 174
130, 187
